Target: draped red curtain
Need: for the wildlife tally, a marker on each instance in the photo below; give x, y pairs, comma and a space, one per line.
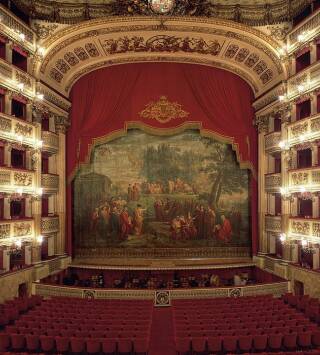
106, 100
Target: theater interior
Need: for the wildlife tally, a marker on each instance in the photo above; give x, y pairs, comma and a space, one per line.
159, 177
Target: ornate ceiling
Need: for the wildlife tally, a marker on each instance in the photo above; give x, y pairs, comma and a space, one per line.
254, 13
78, 49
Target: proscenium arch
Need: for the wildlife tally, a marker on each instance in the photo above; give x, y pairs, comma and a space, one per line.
80, 49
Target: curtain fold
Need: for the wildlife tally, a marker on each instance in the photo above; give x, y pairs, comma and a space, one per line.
105, 100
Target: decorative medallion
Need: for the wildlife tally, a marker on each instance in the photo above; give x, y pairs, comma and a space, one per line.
163, 110
162, 298
161, 6
235, 292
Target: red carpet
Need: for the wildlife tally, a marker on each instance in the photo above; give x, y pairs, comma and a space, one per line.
161, 339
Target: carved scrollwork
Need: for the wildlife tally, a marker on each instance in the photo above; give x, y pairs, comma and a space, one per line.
299, 178
299, 227
22, 229
22, 179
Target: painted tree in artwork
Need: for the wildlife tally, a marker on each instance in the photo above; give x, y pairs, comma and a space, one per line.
167, 162
221, 167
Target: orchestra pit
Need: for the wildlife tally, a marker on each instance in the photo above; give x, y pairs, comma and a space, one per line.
160, 177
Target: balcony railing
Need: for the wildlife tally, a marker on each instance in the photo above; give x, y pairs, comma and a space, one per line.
13, 129
49, 224
12, 75
310, 25
21, 228
273, 182
12, 179
14, 26
307, 129
50, 142
308, 228
306, 178
272, 141
50, 182
273, 224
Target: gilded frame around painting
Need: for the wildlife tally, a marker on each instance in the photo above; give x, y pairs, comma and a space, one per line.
104, 253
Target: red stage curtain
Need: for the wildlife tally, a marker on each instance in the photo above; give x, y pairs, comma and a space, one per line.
103, 102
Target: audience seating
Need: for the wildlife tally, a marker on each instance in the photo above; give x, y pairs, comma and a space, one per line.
245, 325
69, 325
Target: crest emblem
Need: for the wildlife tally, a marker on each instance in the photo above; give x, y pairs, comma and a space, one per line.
163, 110
161, 6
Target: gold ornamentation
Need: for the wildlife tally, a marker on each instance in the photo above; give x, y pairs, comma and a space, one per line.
163, 110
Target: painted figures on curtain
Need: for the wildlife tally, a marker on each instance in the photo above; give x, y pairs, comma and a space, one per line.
152, 191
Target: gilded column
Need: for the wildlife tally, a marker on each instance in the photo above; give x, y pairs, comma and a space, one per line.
262, 123
36, 201
61, 125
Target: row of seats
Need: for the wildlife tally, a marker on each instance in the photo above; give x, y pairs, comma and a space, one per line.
266, 324
48, 328
257, 343
12, 309
60, 344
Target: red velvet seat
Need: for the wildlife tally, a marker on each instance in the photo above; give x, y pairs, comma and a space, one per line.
17, 341
32, 342
304, 339
229, 343
62, 344
77, 345
140, 345
199, 344
245, 343
215, 344
290, 341
182, 345
47, 343
109, 346
316, 339
4, 341
275, 341
93, 345
260, 342
124, 345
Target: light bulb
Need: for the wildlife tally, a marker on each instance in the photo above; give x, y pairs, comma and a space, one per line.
40, 239
22, 36
302, 189
304, 242
282, 237
18, 243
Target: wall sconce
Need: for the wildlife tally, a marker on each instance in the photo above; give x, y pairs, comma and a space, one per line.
22, 36
18, 243
302, 189
283, 237
19, 191
39, 96
20, 86
304, 242
283, 145
39, 239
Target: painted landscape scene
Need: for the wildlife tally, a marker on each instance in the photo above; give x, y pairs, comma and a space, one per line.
149, 191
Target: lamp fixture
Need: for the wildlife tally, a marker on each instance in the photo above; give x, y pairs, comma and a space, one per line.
304, 242
300, 88
20, 86
19, 191
18, 243
22, 36
283, 237
39, 96
39, 239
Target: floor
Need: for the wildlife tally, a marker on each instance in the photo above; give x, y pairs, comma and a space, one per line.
161, 339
